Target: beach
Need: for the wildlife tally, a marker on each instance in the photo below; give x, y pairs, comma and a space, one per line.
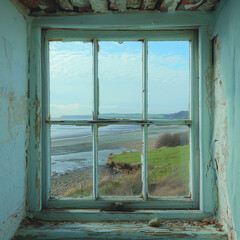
71, 159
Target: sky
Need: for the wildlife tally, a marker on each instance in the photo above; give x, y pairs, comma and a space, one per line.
120, 77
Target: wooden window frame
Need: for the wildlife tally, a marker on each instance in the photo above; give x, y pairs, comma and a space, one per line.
178, 202
203, 200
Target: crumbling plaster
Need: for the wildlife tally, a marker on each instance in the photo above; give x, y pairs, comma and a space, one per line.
226, 113
13, 118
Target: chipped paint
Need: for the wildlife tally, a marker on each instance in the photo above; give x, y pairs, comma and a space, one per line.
13, 118
220, 142
72, 7
206, 229
38, 120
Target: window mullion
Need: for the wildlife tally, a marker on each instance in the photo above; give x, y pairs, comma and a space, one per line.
95, 117
145, 117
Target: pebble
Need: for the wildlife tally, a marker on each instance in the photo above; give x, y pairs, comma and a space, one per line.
155, 222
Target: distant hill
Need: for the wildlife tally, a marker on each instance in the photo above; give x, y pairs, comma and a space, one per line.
178, 115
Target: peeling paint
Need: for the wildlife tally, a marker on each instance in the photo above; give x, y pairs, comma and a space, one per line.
220, 143
13, 117
38, 120
72, 7
205, 229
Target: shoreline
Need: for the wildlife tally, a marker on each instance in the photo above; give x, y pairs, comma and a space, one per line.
62, 183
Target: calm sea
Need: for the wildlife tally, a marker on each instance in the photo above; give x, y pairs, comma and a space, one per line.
72, 145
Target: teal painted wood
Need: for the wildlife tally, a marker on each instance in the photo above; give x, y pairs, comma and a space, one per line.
78, 35
34, 185
136, 21
194, 116
46, 161
95, 117
33, 75
207, 173
137, 215
117, 230
123, 122
145, 118
128, 203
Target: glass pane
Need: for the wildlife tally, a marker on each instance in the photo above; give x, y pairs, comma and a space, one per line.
119, 159
168, 78
70, 80
71, 161
168, 161
120, 80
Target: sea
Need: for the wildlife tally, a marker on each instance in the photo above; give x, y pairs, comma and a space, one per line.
71, 146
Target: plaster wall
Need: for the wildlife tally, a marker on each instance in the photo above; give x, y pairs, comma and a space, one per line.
13, 118
226, 114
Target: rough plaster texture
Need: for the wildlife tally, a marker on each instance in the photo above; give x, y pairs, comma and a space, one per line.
226, 138
13, 118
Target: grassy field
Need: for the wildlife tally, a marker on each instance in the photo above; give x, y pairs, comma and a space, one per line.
168, 174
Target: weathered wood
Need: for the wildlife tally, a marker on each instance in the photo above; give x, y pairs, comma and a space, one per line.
208, 192
127, 21
99, 6
122, 122
34, 190
120, 5
119, 230
96, 214
194, 116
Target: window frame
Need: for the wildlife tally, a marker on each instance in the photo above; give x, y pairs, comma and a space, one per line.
157, 203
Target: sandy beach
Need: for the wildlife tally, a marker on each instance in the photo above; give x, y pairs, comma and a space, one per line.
77, 171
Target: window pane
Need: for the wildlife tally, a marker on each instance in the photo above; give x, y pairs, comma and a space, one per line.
71, 161
168, 161
119, 159
168, 78
120, 80
70, 80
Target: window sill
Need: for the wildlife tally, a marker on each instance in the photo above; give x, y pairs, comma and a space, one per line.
97, 214
38, 229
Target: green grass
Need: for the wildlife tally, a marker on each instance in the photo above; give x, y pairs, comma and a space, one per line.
167, 166
163, 162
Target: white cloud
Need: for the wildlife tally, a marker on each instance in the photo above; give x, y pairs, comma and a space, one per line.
69, 109
120, 77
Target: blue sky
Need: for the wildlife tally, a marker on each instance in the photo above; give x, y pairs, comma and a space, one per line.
120, 77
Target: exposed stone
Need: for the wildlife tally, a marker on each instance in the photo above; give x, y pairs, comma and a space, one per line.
155, 222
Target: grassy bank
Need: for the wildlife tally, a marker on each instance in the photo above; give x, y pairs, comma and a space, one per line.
168, 174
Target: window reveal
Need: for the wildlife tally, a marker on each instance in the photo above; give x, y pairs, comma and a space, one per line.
121, 156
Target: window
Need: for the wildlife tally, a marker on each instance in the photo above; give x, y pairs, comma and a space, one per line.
123, 126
